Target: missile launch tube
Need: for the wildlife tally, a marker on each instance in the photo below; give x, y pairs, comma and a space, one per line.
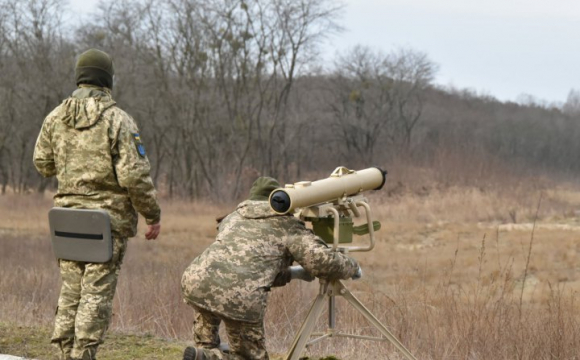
342, 182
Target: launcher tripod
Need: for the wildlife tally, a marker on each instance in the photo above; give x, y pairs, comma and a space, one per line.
333, 223
330, 290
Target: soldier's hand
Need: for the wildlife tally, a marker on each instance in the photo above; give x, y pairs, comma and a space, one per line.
153, 231
282, 278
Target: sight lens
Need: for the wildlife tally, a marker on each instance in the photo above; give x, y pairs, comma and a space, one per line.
280, 201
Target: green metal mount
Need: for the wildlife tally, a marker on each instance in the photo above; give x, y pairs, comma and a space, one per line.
324, 228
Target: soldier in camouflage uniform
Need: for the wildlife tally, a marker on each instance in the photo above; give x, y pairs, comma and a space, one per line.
231, 279
95, 151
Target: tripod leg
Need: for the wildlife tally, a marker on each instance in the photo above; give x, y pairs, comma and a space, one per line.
344, 292
303, 335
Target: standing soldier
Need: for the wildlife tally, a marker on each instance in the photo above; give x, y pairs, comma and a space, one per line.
94, 149
231, 279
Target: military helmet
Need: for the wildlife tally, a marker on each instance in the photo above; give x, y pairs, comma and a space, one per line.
262, 188
95, 67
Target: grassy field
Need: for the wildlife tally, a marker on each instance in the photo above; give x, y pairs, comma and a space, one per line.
458, 272
31, 342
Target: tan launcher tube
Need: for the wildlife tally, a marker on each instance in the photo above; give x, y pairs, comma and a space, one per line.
341, 183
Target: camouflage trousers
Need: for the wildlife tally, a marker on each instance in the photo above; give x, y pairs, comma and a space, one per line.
246, 340
85, 304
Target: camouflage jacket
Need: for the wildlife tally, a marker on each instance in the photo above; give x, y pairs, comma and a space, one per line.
232, 276
94, 149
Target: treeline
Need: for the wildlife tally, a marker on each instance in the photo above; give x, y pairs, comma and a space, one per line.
226, 90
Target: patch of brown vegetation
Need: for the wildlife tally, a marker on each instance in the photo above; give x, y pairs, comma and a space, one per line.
452, 275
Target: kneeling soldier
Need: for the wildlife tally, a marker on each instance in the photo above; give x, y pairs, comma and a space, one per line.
231, 279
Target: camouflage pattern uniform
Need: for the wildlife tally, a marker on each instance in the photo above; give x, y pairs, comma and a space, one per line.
231, 279
94, 149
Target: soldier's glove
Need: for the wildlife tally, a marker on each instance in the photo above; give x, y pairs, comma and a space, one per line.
298, 272
282, 278
358, 274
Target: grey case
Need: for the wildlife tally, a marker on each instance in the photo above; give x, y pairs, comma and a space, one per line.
81, 235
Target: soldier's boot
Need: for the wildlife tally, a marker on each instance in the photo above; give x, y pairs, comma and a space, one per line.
192, 353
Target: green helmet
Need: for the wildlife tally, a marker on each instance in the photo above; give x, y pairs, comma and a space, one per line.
262, 188
95, 67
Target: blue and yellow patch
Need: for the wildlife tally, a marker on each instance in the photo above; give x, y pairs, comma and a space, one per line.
139, 144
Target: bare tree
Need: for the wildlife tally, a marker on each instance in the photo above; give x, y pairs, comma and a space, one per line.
572, 104
412, 73
362, 101
35, 59
219, 76
378, 99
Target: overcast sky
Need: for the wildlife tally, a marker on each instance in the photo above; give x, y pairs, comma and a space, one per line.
502, 48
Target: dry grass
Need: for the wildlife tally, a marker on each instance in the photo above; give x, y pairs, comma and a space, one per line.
455, 274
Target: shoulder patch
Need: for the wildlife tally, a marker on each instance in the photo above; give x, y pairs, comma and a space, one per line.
139, 144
